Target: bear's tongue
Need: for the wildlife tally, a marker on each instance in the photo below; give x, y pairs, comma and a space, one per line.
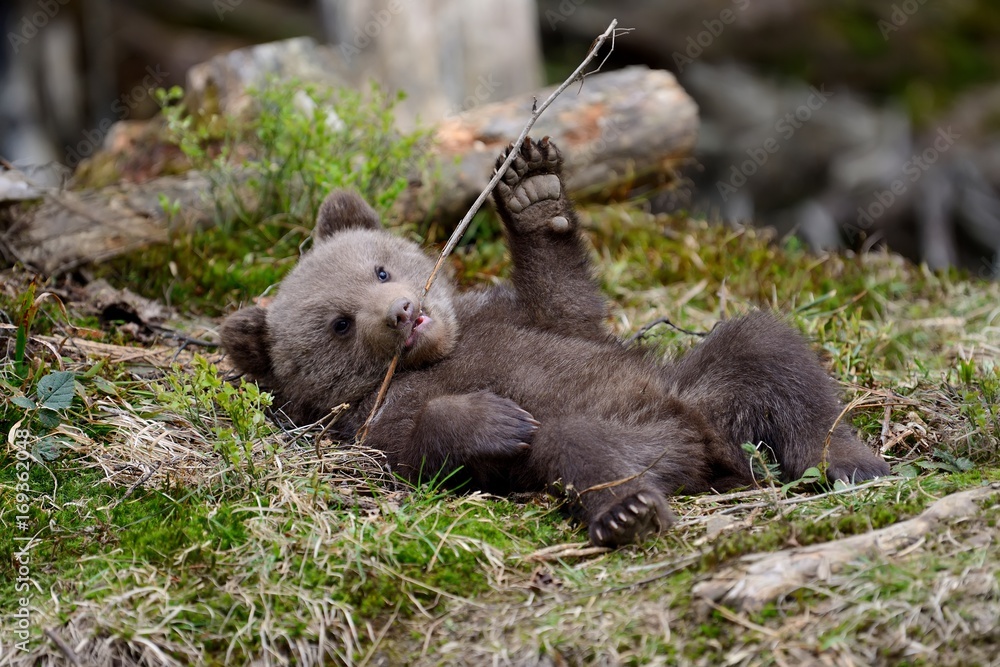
419, 325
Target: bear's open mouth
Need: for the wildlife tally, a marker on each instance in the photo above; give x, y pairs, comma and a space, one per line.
421, 323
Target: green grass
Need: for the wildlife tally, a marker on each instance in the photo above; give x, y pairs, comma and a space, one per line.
174, 523
227, 552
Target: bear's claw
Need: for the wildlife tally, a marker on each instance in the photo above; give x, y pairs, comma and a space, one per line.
631, 520
505, 429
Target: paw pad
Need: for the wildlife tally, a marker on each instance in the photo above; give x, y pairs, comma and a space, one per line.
532, 177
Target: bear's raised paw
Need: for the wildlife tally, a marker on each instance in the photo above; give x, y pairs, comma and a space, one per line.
531, 189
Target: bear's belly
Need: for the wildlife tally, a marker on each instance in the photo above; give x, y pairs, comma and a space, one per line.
552, 374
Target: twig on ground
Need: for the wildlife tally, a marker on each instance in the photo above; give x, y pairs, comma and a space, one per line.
671, 569
177, 335
63, 647
142, 480
381, 635
886, 420
733, 617
456, 236
641, 333
560, 551
881, 481
755, 580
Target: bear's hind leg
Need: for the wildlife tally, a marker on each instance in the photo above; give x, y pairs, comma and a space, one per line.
632, 519
757, 381
848, 458
617, 475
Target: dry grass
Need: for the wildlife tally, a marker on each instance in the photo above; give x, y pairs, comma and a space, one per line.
159, 546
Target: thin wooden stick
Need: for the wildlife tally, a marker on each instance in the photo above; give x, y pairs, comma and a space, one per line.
456, 236
363, 433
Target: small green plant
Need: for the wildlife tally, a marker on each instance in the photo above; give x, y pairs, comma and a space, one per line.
54, 392
25, 307
233, 417
765, 471
304, 142
53, 395
810, 476
768, 472
171, 208
267, 179
976, 389
26, 396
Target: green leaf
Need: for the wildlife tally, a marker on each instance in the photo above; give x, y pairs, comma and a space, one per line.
49, 418
812, 475
47, 449
951, 463
55, 390
23, 402
809, 476
20, 345
105, 386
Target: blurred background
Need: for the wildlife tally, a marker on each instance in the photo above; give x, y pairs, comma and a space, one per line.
855, 124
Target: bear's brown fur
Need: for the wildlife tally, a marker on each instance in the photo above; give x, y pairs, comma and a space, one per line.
520, 386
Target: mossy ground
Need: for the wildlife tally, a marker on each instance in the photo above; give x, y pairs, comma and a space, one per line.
172, 524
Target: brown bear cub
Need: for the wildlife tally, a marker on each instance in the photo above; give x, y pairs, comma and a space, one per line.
520, 386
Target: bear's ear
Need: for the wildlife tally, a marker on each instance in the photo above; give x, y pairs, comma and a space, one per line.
244, 336
344, 210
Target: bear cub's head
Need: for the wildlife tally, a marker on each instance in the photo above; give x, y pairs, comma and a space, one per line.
342, 314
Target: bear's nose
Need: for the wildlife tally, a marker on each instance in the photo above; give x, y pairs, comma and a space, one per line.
400, 312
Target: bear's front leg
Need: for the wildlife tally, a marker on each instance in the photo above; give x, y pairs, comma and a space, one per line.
478, 437
552, 272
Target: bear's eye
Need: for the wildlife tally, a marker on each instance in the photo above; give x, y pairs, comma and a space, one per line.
382, 274
341, 326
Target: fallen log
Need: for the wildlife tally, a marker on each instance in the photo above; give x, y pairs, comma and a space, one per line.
68, 229
757, 580
618, 128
